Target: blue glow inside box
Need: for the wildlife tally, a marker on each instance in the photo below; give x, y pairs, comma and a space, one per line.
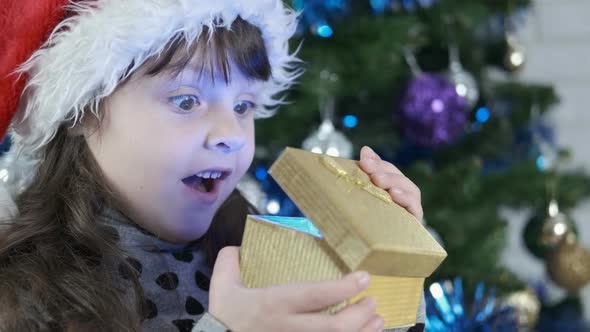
297, 223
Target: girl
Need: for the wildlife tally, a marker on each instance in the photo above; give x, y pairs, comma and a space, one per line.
129, 137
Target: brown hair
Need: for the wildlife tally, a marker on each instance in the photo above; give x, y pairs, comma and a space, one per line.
56, 260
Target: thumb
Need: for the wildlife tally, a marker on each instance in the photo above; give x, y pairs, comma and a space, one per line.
227, 267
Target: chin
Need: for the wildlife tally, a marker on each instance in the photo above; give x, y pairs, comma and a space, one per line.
194, 229
186, 235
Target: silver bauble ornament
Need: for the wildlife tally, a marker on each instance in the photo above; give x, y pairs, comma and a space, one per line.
515, 56
555, 227
326, 139
253, 193
465, 83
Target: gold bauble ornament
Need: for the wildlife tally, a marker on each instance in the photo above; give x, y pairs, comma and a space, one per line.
569, 265
527, 307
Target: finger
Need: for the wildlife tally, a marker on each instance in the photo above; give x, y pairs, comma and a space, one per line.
357, 315
314, 296
388, 181
352, 318
371, 166
369, 160
407, 201
376, 324
227, 268
368, 153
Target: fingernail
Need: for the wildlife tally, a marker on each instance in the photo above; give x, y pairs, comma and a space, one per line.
375, 155
378, 323
363, 279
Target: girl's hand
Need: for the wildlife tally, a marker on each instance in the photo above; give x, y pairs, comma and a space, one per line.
291, 307
389, 178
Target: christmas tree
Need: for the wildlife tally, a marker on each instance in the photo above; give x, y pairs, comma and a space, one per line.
431, 87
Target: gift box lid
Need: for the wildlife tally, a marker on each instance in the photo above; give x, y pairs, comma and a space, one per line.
359, 221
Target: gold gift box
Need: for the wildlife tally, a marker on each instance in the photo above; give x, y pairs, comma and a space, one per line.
351, 225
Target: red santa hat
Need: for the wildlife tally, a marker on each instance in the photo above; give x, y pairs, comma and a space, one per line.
26, 25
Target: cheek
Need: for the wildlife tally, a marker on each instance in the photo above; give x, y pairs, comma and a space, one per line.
135, 143
247, 158
250, 145
247, 152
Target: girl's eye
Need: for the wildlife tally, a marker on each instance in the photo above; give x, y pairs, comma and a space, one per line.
185, 103
243, 106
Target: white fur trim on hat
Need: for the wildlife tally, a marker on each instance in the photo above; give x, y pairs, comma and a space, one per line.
89, 53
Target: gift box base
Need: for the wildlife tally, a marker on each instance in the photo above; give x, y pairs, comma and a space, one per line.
272, 255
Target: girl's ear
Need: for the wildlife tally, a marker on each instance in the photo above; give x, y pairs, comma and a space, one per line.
88, 124
76, 130
81, 128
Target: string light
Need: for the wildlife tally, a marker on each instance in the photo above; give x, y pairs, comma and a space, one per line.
325, 31
273, 206
482, 115
261, 173
350, 121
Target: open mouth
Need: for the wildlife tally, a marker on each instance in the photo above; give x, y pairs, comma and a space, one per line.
206, 181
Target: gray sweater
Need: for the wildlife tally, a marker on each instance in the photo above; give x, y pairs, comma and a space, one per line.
175, 279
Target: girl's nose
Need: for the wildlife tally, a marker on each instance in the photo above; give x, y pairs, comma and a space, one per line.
226, 133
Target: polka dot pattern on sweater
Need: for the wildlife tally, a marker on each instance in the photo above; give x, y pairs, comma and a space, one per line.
184, 325
174, 279
150, 309
168, 281
186, 257
193, 306
202, 281
124, 270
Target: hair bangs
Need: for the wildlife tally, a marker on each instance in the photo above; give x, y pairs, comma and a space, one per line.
240, 46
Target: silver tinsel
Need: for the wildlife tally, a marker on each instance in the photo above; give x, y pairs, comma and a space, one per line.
16, 172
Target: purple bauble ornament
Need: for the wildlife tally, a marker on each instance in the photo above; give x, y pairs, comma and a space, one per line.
431, 112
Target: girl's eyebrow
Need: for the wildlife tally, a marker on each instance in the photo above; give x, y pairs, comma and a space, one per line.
171, 78
195, 75
172, 74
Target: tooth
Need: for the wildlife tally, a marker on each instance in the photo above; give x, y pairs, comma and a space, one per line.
210, 175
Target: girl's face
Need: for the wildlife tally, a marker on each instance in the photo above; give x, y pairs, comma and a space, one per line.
174, 147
